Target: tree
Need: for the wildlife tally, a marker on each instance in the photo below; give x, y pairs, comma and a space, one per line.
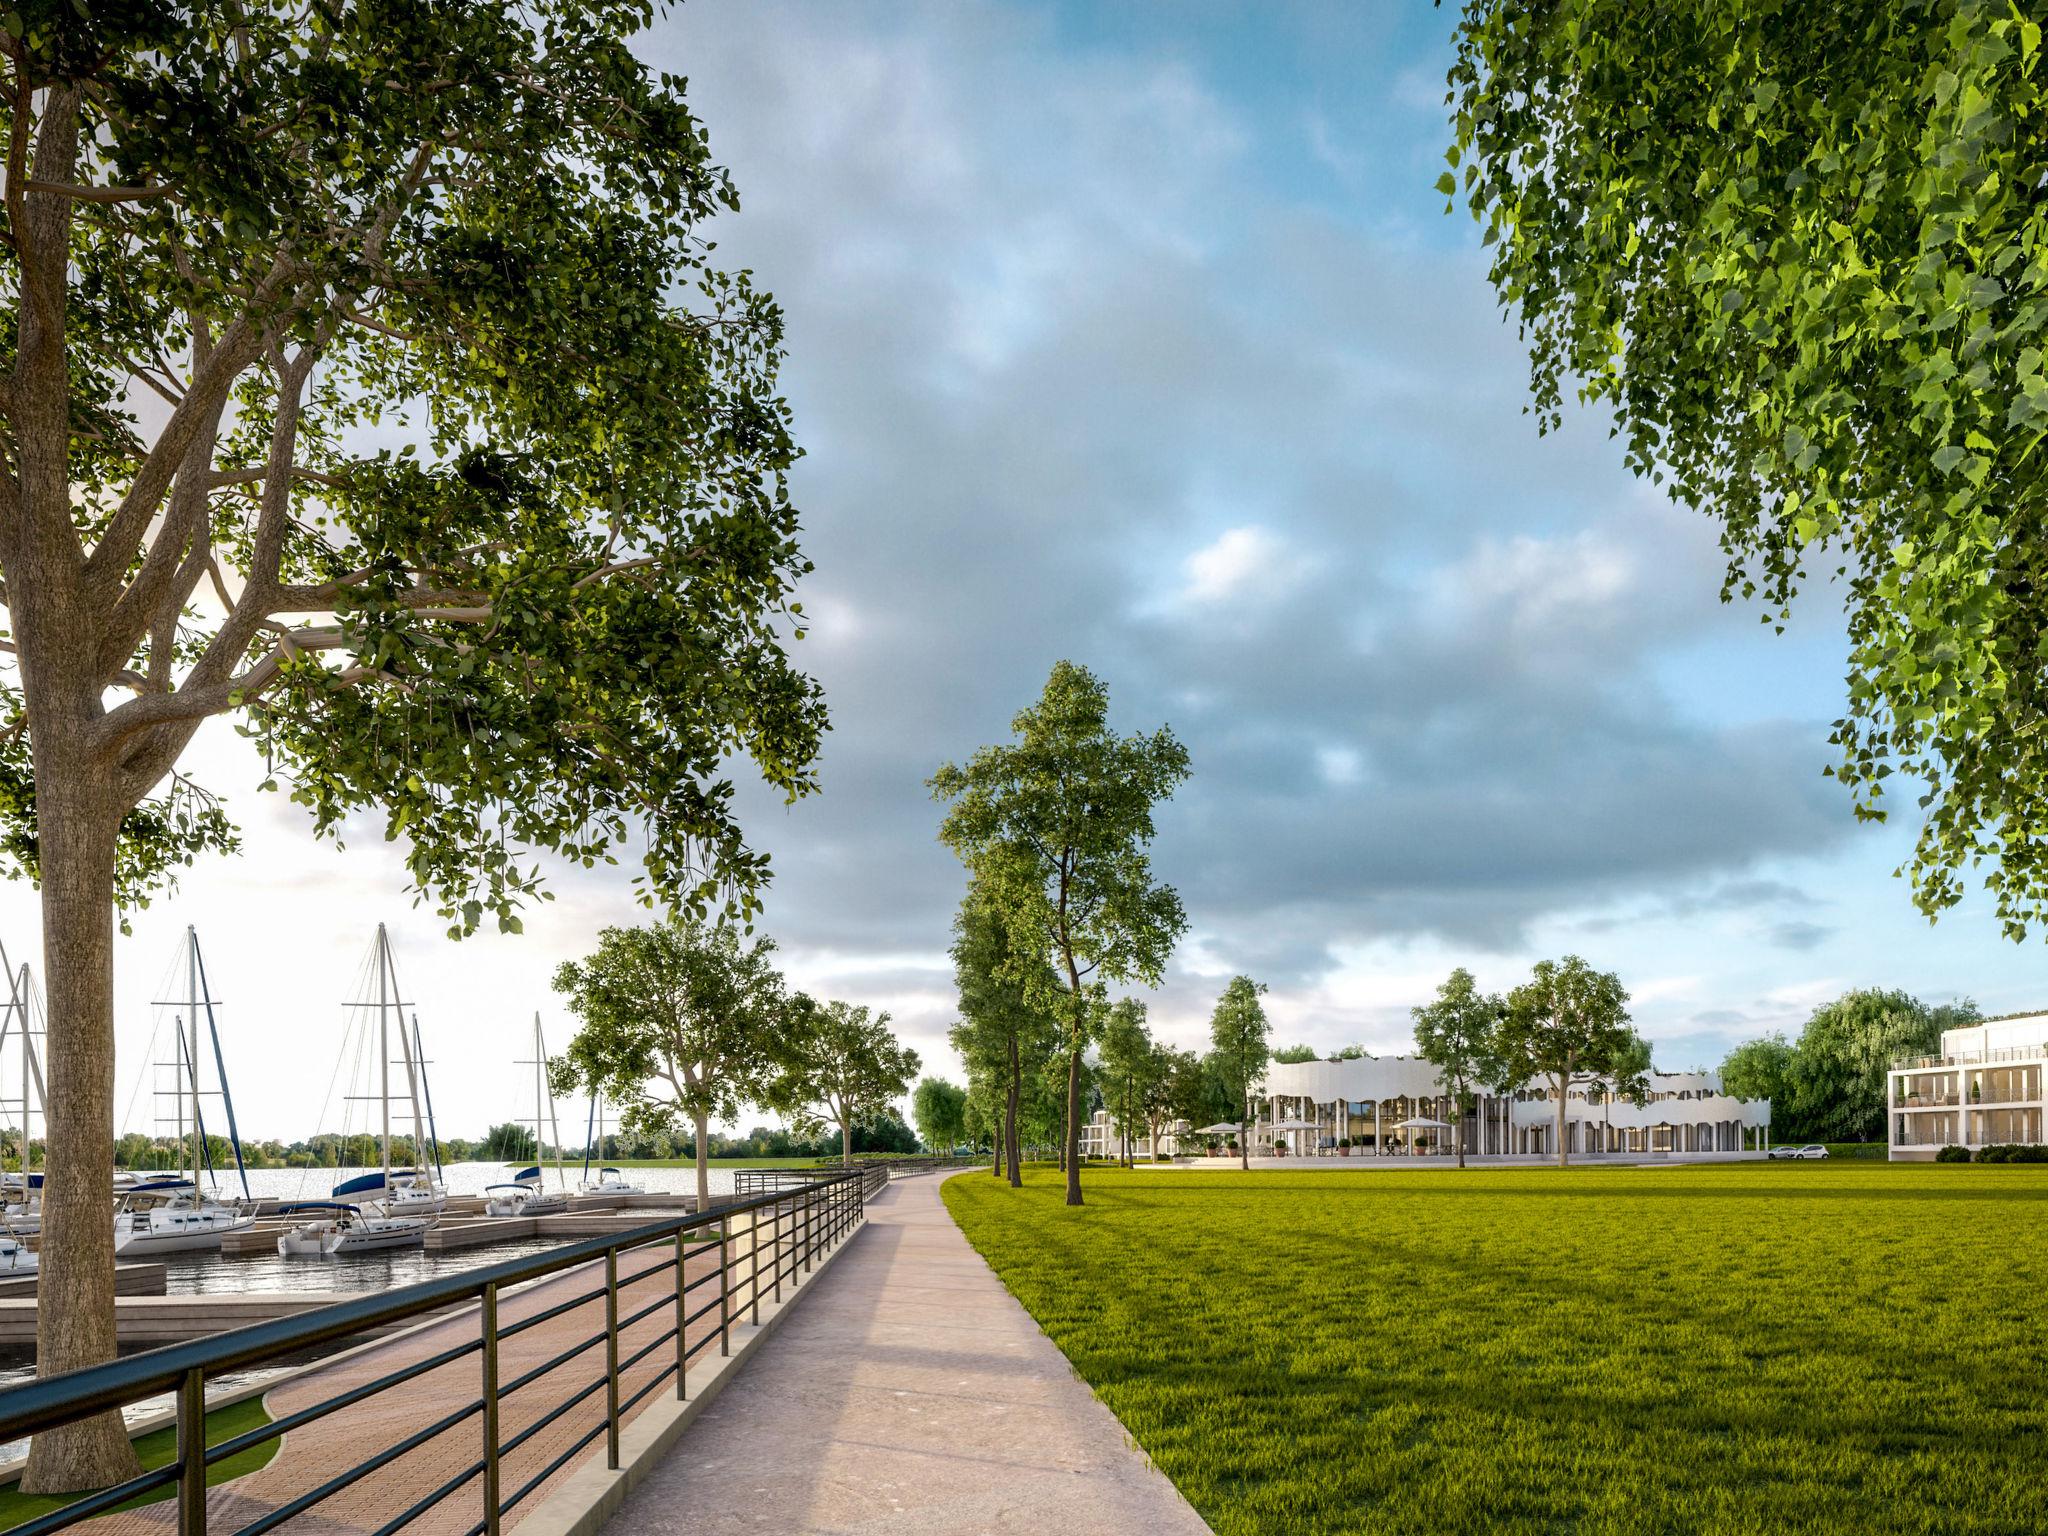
1243, 1039
1005, 1030
1166, 1090
681, 1023
1796, 252
1569, 1023
1763, 1069
940, 1109
1055, 825
1838, 1073
1295, 1053
236, 246
509, 1143
1130, 1067
1456, 1034
841, 1066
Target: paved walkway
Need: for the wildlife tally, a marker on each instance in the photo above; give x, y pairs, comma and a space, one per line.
907, 1392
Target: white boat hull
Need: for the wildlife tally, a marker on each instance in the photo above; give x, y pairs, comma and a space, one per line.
178, 1233
16, 1259
364, 1234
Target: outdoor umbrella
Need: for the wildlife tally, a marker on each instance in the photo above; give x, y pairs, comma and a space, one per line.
1218, 1130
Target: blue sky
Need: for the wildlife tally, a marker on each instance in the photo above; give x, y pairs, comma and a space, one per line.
1136, 335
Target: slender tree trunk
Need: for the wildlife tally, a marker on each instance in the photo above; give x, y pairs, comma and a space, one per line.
1009, 1131
1074, 1126
846, 1141
1458, 1128
1563, 1089
1244, 1130
703, 1124
77, 820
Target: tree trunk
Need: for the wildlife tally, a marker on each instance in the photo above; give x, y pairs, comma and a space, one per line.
846, 1141
1458, 1129
703, 1122
1563, 1090
77, 821
1009, 1132
1074, 1125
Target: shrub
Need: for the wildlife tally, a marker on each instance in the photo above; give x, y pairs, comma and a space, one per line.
2012, 1153
1952, 1154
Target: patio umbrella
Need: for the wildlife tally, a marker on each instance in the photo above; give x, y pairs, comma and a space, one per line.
1295, 1125
1218, 1130
1420, 1123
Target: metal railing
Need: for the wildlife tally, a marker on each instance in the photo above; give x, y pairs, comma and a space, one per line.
762, 1242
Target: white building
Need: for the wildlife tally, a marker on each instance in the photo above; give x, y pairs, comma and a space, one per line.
1384, 1107
1983, 1089
1397, 1106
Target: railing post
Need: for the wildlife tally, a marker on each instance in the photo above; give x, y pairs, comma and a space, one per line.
725, 1285
779, 1205
488, 1324
611, 1358
192, 1454
754, 1265
682, 1311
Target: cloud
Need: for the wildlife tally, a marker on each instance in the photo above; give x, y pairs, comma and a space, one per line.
1241, 563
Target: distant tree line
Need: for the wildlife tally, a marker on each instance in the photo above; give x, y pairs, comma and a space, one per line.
1829, 1084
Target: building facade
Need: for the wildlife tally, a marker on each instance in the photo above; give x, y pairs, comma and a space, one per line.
1384, 1107
1397, 1106
1982, 1089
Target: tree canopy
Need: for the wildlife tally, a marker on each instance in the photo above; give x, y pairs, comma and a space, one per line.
1458, 1032
1006, 1031
681, 1023
1569, 1023
841, 1065
1800, 252
1242, 1036
1054, 825
940, 1110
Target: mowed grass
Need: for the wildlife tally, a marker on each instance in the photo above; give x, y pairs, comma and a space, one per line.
1839, 1347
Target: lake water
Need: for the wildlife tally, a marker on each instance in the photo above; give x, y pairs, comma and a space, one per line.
466, 1179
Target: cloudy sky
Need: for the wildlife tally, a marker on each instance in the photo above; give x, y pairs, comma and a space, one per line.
1135, 335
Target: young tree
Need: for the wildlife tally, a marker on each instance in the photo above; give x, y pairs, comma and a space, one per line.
940, 1109
1456, 1034
1243, 1040
1164, 1091
1569, 1023
841, 1067
1005, 1028
1793, 251
1055, 825
1130, 1067
237, 243
682, 1023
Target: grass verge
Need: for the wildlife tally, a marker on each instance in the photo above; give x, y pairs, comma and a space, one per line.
1822, 1347
159, 1448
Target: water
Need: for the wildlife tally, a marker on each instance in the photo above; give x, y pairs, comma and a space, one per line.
466, 1179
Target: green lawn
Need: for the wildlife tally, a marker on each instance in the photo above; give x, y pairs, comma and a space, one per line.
160, 1448
1828, 1347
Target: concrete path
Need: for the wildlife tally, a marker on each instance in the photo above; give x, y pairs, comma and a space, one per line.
908, 1392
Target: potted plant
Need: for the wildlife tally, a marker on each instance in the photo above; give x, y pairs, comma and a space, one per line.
1976, 1092
1343, 1146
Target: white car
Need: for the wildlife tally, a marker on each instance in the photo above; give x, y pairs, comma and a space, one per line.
1811, 1149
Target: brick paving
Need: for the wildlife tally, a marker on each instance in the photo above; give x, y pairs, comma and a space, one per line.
332, 1446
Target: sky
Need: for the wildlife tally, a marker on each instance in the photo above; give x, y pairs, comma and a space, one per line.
1136, 335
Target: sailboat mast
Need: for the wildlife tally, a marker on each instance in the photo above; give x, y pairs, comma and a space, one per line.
192, 1056
384, 1047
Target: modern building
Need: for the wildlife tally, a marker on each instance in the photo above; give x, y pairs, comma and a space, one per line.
1983, 1089
1398, 1106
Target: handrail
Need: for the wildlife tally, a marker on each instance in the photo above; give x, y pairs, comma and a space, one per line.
784, 1233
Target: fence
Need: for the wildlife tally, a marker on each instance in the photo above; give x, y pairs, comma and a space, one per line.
762, 1242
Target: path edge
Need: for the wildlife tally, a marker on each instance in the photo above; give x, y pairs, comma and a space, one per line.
593, 1493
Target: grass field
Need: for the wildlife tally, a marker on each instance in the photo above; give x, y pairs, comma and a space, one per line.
1840, 1347
156, 1449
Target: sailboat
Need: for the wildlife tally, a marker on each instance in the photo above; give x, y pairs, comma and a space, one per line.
391, 1208
173, 1215
21, 1191
525, 1195
609, 1180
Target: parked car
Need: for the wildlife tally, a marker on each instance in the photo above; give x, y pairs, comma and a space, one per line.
1811, 1149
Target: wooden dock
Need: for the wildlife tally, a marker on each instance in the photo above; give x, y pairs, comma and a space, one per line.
146, 1321
138, 1279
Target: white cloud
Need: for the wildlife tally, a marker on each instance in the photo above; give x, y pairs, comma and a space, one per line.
1250, 562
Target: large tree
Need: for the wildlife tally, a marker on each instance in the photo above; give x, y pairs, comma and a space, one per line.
1839, 1070
1005, 1030
681, 1023
1801, 253
1243, 1038
1457, 1032
1055, 825
842, 1066
1568, 1023
1764, 1069
247, 250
